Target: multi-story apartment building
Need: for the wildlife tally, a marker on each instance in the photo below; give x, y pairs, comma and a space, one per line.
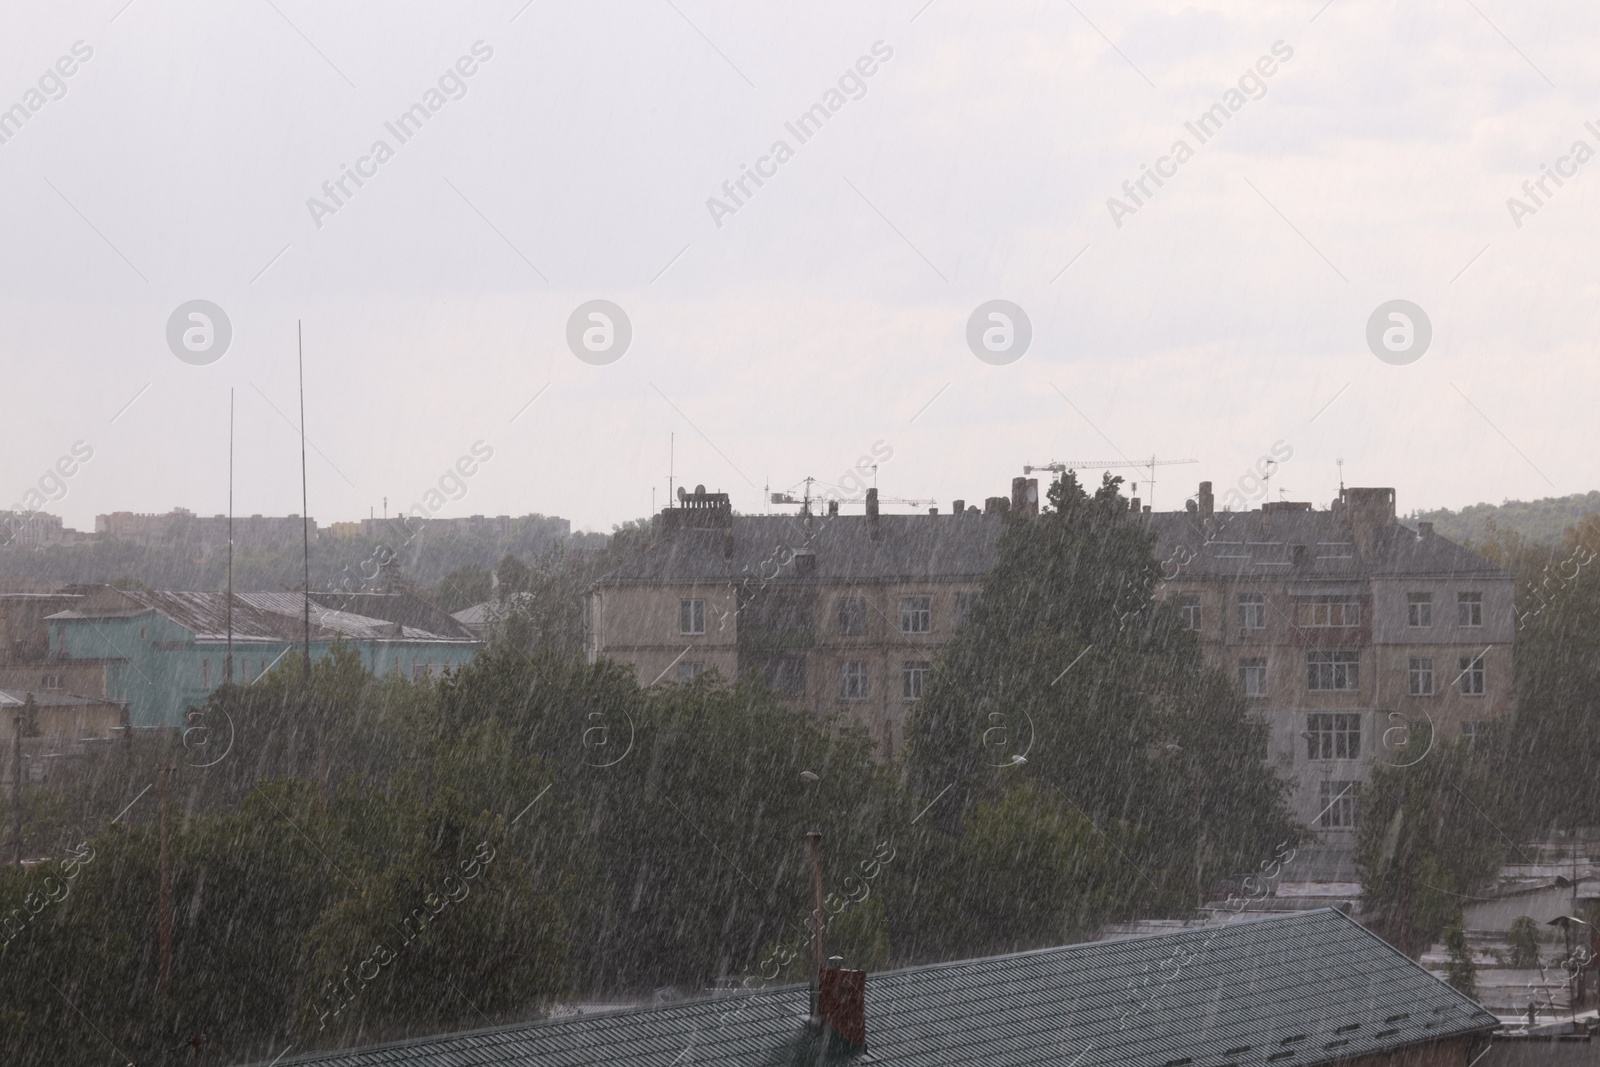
842, 613
204, 534
1356, 637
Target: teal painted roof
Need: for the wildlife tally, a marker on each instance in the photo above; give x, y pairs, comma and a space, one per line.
1304, 989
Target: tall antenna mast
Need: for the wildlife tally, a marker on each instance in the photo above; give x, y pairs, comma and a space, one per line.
227, 662
305, 517
672, 449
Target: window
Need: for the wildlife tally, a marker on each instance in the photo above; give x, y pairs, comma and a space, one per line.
913, 678
854, 682
52, 681
1333, 671
1330, 611
1338, 800
1419, 609
965, 602
1253, 677
688, 672
1472, 676
1469, 609
853, 615
144, 632
1252, 611
1333, 736
691, 616
420, 671
205, 674
1420, 676
1189, 612
1474, 732
916, 616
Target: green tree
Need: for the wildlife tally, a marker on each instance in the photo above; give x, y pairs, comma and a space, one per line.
1524, 941
1460, 971
1072, 664
1428, 838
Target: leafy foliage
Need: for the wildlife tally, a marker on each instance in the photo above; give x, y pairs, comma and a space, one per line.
1072, 663
1428, 837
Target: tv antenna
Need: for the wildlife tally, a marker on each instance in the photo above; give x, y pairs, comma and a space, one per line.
1104, 464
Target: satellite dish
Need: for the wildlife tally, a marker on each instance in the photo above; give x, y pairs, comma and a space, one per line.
809, 776
682, 493
699, 490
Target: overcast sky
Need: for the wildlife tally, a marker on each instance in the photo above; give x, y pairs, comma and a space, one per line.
827, 313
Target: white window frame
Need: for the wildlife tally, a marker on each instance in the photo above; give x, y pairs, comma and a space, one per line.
1419, 676
1469, 609
1252, 611
1253, 676
1337, 803
1190, 612
1474, 678
691, 616
855, 680
916, 615
1341, 665
689, 671
913, 679
1419, 610
1333, 735
1320, 614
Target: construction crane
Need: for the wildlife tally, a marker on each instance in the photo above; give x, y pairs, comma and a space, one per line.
1101, 464
788, 497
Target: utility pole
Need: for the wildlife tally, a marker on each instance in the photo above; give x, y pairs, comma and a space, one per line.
16, 786
164, 978
814, 858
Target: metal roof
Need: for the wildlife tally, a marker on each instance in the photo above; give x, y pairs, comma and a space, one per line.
908, 547
1306, 989
277, 617
1260, 544
50, 698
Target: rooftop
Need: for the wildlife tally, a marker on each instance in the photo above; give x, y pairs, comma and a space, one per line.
1308, 989
277, 617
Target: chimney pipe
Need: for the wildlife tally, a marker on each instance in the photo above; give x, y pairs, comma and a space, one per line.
844, 1004
1207, 503
1425, 529
1019, 494
959, 507
872, 513
814, 861
833, 508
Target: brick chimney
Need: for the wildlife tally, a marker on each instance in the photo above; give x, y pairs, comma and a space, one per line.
873, 530
1206, 504
959, 507
842, 1004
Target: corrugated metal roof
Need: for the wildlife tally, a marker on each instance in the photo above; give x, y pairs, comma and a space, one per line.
278, 617
50, 698
1257, 544
927, 547
1306, 989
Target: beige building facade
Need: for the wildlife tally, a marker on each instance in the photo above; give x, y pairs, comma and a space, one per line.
843, 614
1359, 639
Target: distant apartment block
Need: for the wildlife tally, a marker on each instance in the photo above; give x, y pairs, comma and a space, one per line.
843, 614
205, 534
1353, 635
35, 529
500, 526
